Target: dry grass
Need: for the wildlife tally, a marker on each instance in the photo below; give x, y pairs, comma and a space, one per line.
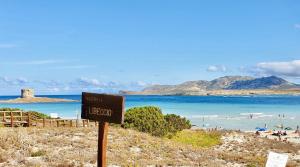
198, 138
68, 147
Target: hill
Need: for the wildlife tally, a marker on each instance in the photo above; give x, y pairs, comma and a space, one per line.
228, 85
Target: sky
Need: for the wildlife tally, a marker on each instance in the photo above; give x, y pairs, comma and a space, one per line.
65, 47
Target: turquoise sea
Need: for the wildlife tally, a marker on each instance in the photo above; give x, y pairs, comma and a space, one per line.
229, 112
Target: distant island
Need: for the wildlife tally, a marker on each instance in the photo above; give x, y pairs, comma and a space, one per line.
227, 85
27, 96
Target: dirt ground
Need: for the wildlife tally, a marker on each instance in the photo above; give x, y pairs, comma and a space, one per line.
68, 147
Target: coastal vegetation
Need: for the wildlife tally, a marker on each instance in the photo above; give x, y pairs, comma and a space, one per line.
38, 153
146, 119
175, 123
76, 147
37, 114
150, 119
9, 109
175, 144
198, 138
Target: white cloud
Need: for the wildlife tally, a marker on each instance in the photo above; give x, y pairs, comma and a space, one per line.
141, 83
285, 69
73, 67
39, 62
10, 82
22, 79
55, 64
216, 68
7, 46
89, 82
4, 79
297, 26
92, 84
53, 90
36, 62
76, 86
66, 88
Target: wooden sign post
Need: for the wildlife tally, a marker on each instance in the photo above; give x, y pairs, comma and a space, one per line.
105, 109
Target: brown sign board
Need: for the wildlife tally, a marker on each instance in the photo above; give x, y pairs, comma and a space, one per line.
102, 107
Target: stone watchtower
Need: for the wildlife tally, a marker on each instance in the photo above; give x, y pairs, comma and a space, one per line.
27, 93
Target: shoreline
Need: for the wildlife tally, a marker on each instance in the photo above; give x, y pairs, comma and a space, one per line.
35, 100
243, 92
228, 115
291, 135
143, 94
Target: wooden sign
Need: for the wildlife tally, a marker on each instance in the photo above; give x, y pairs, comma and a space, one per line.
105, 109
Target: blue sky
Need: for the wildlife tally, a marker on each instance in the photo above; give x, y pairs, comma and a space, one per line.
70, 46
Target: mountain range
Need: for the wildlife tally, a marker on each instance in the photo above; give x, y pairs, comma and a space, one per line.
227, 85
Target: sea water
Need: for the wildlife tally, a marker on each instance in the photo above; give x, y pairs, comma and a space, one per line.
229, 112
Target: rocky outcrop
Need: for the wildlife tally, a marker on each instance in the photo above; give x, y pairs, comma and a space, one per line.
271, 82
228, 85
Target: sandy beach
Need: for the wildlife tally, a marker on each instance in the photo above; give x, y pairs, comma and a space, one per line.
290, 136
36, 100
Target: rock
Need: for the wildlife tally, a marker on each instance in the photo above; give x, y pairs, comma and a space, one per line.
135, 149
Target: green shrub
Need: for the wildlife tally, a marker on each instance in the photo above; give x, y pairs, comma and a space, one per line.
150, 119
251, 165
146, 119
39, 115
175, 123
10, 109
38, 153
